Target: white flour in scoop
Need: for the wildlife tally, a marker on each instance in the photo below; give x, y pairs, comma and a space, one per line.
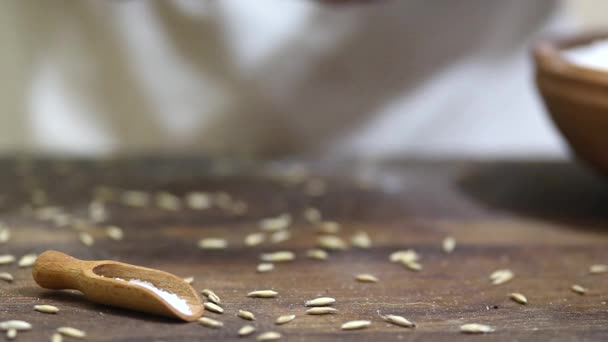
594, 55
174, 300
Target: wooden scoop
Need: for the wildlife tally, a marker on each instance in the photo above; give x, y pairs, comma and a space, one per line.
96, 280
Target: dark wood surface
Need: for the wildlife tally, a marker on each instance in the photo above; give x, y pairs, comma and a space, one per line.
546, 221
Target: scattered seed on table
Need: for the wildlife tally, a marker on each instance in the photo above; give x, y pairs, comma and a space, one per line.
15, 324
210, 322
361, 240
189, 280
273, 224
399, 320
86, 239
5, 235
213, 307
281, 256
168, 201
448, 244
49, 309
27, 260
265, 267
578, 289
519, 298
408, 255
212, 243
280, 236
321, 301
353, 325
11, 334
598, 268
321, 310
246, 330
6, 276
56, 337
198, 200
312, 215
269, 336
246, 315
285, 319
501, 276
317, 254
97, 211
114, 233
212, 296
366, 278
328, 227
332, 243
135, 198
412, 265
71, 332
254, 239
7, 259
474, 328
262, 294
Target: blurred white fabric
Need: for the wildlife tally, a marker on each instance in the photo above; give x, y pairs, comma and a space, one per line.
275, 77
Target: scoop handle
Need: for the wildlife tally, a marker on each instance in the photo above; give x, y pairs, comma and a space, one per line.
56, 270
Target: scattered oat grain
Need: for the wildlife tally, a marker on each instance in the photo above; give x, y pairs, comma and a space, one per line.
5, 235
361, 240
212, 243
402, 256
210, 322
56, 337
254, 239
198, 200
189, 280
285, 319
86, 239
321, 301
15, 324
246, 330
27, 260
214, 298
49, 309
7, 259
501, 276
322, 310
399, 320
448, 244
265, 267
213, 307
354, 325
332, 242
273, 224
168, 201
519, 298
366, 278
114, 233
11, 334
412, 265
134, 198
578, 289
281, 256
280, 236
246, 315
269, 336
328, 227
71, 332
598, 269
474, 328
6, 276
317, 254
262, 294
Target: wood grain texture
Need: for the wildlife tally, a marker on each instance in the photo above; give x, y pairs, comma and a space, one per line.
547, 222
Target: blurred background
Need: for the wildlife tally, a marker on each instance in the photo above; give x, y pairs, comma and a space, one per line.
276, 78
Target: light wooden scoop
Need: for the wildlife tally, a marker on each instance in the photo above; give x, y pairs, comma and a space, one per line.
95, 279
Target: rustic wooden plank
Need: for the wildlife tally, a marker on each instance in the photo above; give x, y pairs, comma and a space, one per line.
545, 221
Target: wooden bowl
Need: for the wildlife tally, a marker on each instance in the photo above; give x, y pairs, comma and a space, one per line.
576, 97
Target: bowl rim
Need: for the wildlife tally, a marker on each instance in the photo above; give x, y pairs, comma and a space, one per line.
549, 58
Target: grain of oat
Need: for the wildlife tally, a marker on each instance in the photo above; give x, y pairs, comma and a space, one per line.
578, 289
212, 243
212, 296
285, 319
265, 267
71, 332
198, 200
328, 227
399, 320
322, 310
56, 337
246, 315
86, 239
448, 244
501, 276
321, 301
354, 325
97, 211
15, 324
366, 278
134, 198
5, 235
408, 255
412, 265
262, 294
317, 254
273, 224
312, 215
6, 276
210, 322
27, 260
361, 240
49, 309
519, 298
598, 269
168, 201
280, 236
213, 307
269, 336
6, 259
114, 233
246, 330
331, 242
11, 334
281, 256
189, 280
254, 239
474, 328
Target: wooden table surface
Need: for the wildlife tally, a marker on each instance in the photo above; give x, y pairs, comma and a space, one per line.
546, 221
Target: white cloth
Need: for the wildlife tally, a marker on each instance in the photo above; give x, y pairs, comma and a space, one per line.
274, 77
